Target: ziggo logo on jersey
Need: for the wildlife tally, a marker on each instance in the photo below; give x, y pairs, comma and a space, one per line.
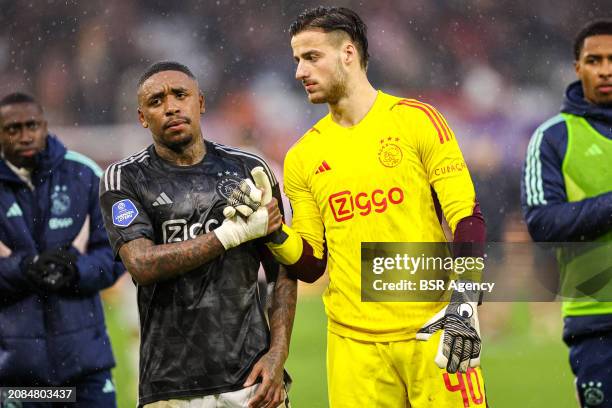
344, 204
179, 231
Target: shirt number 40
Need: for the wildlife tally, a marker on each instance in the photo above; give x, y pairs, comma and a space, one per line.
470, 378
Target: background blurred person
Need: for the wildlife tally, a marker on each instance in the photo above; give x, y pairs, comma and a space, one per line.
567, 197
55, 258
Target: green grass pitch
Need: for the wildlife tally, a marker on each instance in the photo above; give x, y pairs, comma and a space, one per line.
521, 368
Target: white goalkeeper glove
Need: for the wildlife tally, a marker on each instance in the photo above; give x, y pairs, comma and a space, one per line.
460, 343
249, 201
236, 230
245, 199
248, 197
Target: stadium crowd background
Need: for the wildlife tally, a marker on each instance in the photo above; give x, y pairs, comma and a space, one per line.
494, 68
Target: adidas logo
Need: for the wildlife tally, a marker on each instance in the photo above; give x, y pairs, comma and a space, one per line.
108, 387
323, 167
162, 199
14, 211
594, 150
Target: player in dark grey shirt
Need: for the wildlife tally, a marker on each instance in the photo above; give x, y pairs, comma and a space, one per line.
203, 329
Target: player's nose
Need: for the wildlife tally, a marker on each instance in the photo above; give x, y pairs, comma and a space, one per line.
300, 72
25, 136
172, 106
606, 68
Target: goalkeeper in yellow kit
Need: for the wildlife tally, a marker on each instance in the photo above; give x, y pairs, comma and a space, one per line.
377, 168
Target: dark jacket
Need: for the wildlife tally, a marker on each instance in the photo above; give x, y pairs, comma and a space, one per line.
554, 219
551, 217
50, 339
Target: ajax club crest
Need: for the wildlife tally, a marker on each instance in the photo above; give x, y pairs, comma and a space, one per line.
389, 152
592, 393
60, 201
227, 182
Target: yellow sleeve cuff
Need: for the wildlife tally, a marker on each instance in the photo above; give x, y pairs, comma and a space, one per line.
290, 250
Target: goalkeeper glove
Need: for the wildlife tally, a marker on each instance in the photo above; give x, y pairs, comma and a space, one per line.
248, 197
284, 243
460, 343
244, 199
236, 230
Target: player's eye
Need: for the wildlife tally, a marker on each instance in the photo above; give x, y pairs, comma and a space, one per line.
154, 101
11, 129
32, 125
14, 128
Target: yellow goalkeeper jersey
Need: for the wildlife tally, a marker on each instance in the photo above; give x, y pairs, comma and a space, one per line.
382, 180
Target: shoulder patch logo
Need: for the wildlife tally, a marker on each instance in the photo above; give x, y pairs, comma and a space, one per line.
124, 212
389, 153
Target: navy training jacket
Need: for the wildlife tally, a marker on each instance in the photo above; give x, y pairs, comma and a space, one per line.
553, 218
52, 339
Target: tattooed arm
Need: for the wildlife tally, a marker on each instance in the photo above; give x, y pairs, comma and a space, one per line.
149, 263
270, 366
282, 313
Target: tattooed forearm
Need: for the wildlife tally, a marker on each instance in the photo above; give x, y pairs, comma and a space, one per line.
282, 313
149, 263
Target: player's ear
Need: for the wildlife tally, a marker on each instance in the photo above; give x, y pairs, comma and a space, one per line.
142, 120
349, 53
577, 68
202, 103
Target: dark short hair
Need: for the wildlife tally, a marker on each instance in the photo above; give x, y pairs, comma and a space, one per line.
333, 19
598, 27
19, 97
164, 66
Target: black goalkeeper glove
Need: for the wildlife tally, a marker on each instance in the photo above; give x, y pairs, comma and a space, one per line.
460, 343
53, 270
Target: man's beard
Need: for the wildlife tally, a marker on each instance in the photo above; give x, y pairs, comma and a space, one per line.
605, 102
337, 88
29, 163
179, 146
